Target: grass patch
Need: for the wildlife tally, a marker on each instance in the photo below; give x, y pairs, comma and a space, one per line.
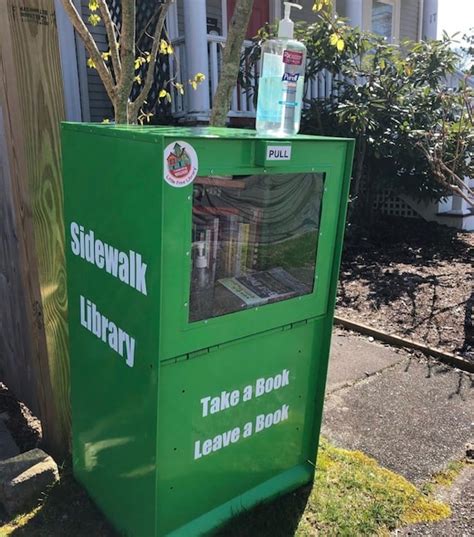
444, 478
352, 495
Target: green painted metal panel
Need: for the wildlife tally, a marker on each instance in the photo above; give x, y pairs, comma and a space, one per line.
169, 430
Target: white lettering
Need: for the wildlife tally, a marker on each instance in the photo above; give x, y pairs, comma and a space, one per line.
267, 385
99, 325
75, 246
205, 406
128, 267
111, 259
99, 254
123, 272
248, 429
216, 443
140, 284
248, 391
265, 421
89, 246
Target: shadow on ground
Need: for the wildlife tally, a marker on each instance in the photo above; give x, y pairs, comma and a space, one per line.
66, 510
278, 518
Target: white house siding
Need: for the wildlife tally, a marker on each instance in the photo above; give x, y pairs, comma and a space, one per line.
409, 20
180, 13
99, 103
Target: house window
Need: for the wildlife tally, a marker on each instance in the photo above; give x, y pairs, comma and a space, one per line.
384, 19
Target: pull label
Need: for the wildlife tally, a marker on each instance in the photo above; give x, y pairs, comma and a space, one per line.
278, 152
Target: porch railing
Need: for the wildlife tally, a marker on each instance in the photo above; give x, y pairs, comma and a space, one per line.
321, 86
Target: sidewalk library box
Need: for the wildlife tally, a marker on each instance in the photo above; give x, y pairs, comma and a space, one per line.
202, 266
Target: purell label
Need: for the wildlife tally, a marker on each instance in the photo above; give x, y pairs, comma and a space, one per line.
289, 77
292, 57
278, 152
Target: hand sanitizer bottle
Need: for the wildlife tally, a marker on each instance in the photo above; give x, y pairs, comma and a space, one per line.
281, 83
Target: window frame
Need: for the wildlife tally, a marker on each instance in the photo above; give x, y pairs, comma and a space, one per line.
395, 19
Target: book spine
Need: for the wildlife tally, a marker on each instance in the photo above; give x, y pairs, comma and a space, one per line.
208, 246
252, 255
215, 246
238, 254
233, 231
245, 247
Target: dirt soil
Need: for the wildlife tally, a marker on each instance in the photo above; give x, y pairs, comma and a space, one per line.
413, 279
22, 424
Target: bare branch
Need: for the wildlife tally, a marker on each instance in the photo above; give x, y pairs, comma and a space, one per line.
442, 172
230, 62
89, 43
111, 37
137, 104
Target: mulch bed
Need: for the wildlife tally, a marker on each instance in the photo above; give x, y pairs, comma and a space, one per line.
414, 279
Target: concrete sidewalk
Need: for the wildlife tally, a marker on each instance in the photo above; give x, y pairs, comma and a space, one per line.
411, 414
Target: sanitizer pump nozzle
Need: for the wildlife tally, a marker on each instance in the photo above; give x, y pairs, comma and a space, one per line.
286, 26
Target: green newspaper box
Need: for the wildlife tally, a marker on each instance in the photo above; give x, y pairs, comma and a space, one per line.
202, 267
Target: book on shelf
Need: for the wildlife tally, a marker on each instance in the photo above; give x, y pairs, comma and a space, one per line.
253, 240
244, 247
265, 286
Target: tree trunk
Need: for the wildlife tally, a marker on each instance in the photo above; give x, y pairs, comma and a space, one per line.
230, 62
127, 59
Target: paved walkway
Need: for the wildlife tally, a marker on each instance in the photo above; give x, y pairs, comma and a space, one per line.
411, 414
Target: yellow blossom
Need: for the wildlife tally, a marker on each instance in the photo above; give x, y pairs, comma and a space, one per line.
319, 4
139, 61
94, 19
164, 46
91, 63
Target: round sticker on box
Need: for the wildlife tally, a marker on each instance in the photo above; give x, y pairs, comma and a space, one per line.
180, 164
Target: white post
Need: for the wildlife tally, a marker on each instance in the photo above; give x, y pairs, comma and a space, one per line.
354, 12
68, 54
195, 29
459, 204
430, 19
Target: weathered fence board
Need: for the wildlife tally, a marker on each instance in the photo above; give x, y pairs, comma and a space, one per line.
15, 348
33, 108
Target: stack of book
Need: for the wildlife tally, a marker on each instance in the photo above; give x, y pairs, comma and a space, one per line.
231, 240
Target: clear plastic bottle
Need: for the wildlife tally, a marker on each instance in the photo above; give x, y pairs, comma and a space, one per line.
281, 83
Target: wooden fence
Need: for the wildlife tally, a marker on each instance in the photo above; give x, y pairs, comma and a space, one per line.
33, 302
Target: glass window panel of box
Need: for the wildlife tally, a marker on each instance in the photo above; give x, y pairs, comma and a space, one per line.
254, 240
